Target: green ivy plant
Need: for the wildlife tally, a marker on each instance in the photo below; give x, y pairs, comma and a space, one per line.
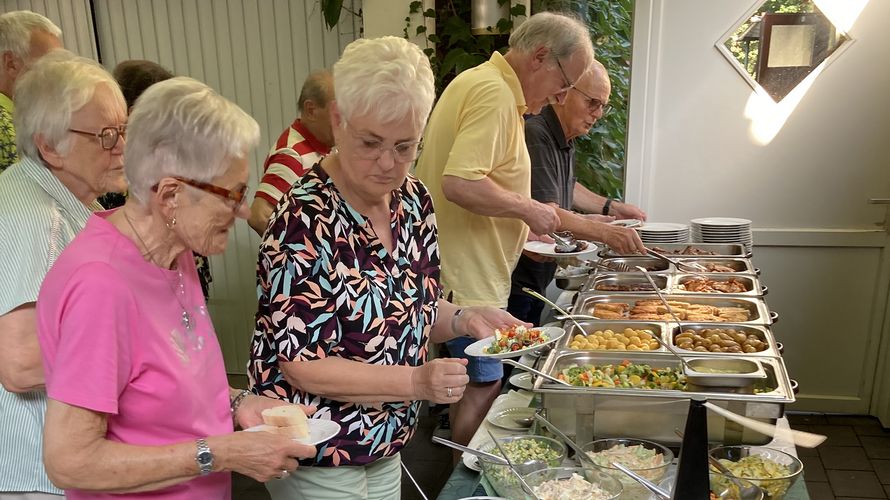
454, 48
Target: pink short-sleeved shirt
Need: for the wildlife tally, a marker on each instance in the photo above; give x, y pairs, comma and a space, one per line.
113, 341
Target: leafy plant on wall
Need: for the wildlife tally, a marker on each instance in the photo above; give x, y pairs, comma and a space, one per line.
454, 48
600, 156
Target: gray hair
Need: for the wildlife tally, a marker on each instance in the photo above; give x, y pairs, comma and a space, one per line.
16, 28
182, 127
563, 35
46, 96
386, 78
316, 88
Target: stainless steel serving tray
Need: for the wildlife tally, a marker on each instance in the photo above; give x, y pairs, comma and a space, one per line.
601, 278
591, 326
753, 287
738, 265
761, 332
759, 314
654, 414
720, 250
652, 264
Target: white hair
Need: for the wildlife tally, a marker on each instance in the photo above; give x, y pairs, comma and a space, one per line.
387, 79
46, 96
563, 35
182, 127
16, 28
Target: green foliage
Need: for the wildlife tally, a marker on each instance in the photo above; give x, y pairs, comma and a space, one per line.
746, 53
454, 48
331, 9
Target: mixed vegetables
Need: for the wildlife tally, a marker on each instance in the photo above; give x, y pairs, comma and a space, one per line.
625, 375
515, 338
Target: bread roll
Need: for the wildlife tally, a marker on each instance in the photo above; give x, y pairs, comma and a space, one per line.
289, 419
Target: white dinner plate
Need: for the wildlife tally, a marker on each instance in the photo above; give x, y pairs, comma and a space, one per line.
663, 227
522, 381
721, 221
319, 431
549, 249
476, 348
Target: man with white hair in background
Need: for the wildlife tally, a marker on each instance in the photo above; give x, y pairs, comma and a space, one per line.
477, 168
25, 36
71, 133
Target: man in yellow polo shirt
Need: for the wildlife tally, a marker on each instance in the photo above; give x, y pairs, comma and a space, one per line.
25, 36
477, 169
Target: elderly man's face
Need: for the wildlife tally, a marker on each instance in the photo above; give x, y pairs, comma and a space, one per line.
584, 104
89, 170
555, 78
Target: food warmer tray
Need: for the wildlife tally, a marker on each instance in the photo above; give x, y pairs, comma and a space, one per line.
601, 278
759, 314
590, 326
652, 264
739, 265
752, 284
654, 414
761, 332
721, 249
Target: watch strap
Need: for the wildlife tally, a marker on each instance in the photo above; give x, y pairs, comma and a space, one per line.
204, 457
606, 206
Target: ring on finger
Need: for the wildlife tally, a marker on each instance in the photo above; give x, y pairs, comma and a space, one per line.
284, 474
450, 392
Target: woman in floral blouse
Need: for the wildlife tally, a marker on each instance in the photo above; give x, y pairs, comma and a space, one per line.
348, 283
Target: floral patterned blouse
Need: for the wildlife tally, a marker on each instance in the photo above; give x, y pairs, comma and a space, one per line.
328, 287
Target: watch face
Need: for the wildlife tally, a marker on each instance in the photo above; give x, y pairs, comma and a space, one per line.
205, 458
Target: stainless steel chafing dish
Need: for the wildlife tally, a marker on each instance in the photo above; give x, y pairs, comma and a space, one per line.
760, 331
652, 264
719, 249
757, 310
753, 287
590, 326
738, 265
654, 413
597, 281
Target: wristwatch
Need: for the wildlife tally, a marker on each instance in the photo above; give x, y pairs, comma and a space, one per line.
606, 206
204, 457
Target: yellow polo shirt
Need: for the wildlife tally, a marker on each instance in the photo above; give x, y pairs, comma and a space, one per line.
477, 131
8, 152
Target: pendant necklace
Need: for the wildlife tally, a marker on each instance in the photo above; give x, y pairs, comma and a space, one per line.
178, 291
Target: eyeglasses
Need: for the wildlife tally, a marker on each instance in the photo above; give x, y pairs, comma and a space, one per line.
372, 149
593, 104
237, 196
108, 136
568, 85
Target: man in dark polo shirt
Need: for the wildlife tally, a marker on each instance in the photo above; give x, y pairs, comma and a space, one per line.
549, 137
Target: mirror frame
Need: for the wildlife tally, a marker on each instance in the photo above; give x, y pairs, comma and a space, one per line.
721, 47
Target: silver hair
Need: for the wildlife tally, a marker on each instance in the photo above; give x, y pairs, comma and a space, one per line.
16, 28
46, 96
387, 79
563, 35
182, 127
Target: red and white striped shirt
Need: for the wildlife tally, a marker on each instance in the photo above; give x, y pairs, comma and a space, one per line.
295, 152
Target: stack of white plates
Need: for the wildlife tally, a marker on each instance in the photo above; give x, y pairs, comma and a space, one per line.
663, 232
722, 230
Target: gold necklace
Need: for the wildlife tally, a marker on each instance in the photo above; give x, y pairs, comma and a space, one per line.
178, 291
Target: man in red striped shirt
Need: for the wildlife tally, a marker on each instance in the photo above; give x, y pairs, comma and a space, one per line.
299, 147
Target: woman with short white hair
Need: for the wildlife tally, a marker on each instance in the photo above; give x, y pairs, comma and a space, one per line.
348, 283
138, 396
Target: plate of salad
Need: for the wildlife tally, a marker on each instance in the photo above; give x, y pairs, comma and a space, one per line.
514, 341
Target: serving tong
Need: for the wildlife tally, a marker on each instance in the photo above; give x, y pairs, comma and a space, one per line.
565, 241
682, 266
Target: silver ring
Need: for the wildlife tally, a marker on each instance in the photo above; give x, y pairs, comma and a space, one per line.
284, 474
450, 392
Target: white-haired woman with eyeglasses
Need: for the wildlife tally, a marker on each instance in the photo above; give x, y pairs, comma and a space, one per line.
138, 396
348, 283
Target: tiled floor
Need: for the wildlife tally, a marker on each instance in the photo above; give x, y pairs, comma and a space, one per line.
854, 463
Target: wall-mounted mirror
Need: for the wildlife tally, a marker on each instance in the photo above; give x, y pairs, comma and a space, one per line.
779, 43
